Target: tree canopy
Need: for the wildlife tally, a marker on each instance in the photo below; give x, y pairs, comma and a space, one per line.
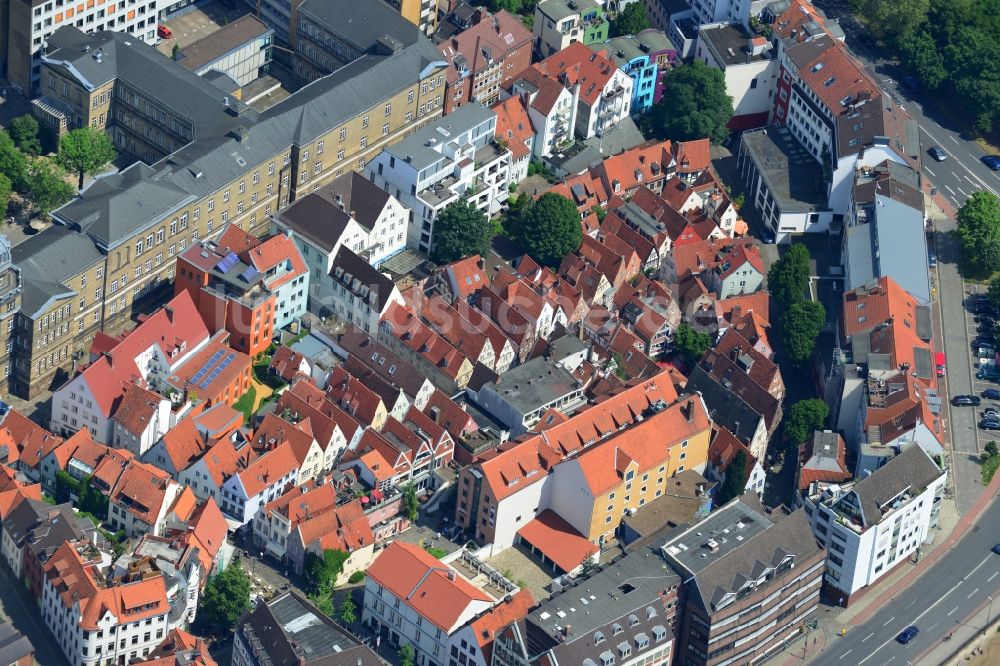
630, 21
801, 324
13, 164
348, 611
5, 189
461, 230
691, 344
549, 229
696, 107
321, 572
802, 419
979, 234
735, 483
46, 186
24, 132
86, 150
225, 599
951, 46
411, 506
789, 276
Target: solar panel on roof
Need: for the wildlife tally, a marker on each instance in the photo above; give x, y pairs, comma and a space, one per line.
248, 274
227, 262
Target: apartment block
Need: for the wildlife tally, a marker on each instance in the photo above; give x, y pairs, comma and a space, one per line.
875, 524
559, 23
11, 290
436, 165
751, 580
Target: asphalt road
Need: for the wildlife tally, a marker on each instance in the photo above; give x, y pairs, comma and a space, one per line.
962, 173
954, 587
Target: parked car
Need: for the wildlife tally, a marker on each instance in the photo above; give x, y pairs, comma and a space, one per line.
908, 634
931, 259
939, 361
991, 394
766, 235
991, 413
966, 401
992, 161
996, 549
937, 152
989, 424
163, 32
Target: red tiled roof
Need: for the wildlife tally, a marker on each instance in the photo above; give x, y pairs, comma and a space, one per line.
423, 340
351, 395
33, 442
549, 90
489, 624
834, 75
223, 460
875, 303
693, 156
824, 465
285, 362
445, 411
417, 577
209, 527
343, 528
469, 275
175, 328
724, 447
305, 400
267, 469
142, 490
584, 190
590, 69
179, 648
557, 540
638, 166
492, 39
274, 430
137, 408
514, 126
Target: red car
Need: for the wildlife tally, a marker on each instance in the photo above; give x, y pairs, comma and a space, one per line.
163, 32
941, 366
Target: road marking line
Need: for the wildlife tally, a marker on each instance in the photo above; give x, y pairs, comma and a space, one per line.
952, 611
990, 579
924, 130
930, 172
963, 192
970, 181
972, 593
955, 140
845, 654
949, 189
867, 637
889, 620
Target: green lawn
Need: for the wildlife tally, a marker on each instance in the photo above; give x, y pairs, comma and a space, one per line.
245, 404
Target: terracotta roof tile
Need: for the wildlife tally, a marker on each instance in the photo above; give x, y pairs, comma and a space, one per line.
142, 490
137, 408
514, 126
693, 156
580, 65
469, 275
489, 624
557, 540
417, 577
285, 362
268, 468
33, 442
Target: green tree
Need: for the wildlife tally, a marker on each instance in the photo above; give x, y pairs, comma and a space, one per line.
86, 150
225, 599
892, 19
13, 164
801, 324
802, 419
549, 229
735, 483
411, 505
321, 572
461, 230
323, 600
348, 610
789, 276
5, 189
24, 132
175, 52
991, 449
405, 654
691, 344
979, 234
92, 500
696, 107
46, 187
630, 21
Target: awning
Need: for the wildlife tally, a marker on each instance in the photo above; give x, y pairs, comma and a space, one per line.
556, 539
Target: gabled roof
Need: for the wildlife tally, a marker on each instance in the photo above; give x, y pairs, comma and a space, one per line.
468, 275
137, 408
285, 362
353, 396
142, 490
446, 412
724, 447
825, 460
419, 580
634, 167
692, 156
33, 442
514, 126
577, 64
343, 528
476, 48
833, 74
273, 430
305, 400
421, 339
271, 466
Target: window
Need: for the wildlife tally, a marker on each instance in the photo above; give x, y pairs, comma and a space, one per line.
388, 108
364, 121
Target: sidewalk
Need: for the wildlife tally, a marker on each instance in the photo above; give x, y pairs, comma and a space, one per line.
832, 619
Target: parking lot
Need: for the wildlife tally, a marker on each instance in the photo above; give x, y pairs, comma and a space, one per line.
981, 363
198, 23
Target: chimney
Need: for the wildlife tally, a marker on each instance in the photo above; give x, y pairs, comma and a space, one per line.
688, 410
451, 575
169, 311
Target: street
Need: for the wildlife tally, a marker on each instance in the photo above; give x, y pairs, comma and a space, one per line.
958, 585
17, 606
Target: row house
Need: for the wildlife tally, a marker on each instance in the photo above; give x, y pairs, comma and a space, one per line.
523, 315
556, 290
474, 337
26, 442
648, 309
353, 396
81, 457
722, 452
551, 107
872, 526
93, 622
143, 499
260, 482
514, 129
412, 597
144, 358
275, 522
247, 286
749, 316
484, 58
651, 165
360, 295
207, 472
345, 528
309, 455
586, 192
449, 367
350, 212
602, 92
21, 507
331, 426
179, 648
462, 279
389, 365
822, 463
494, 492
287, 364
405, 451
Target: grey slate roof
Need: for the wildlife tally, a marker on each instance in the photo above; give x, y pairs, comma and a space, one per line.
361, 23
315, 218
380, 359
289, 631
361, 197
752, 545
415, 149
911, 470
48, 258
361, 278
900, 246
596, 603
725, 408
13, 644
